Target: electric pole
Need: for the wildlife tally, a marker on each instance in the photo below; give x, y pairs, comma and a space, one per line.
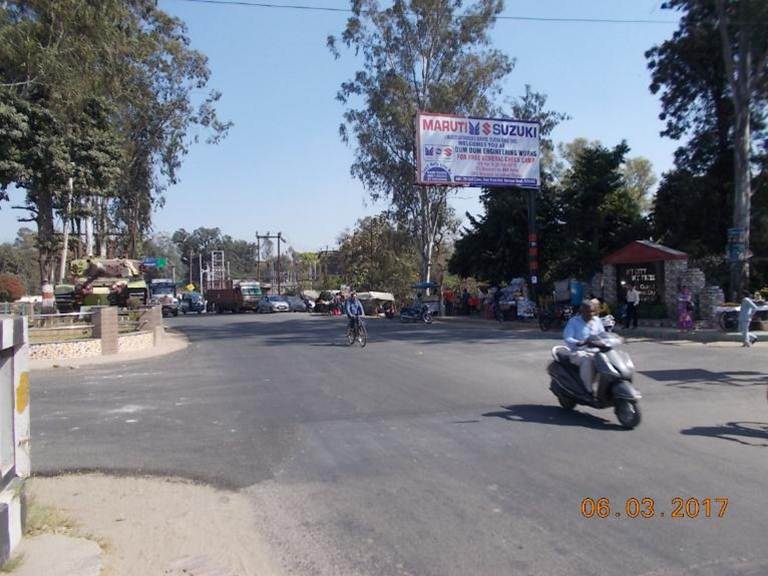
279, 273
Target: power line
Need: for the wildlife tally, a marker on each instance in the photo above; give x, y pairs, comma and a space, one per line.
502, 17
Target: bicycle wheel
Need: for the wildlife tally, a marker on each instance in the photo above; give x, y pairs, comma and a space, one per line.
350, 337
362, 336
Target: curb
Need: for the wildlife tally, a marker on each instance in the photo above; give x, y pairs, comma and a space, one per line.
652, 333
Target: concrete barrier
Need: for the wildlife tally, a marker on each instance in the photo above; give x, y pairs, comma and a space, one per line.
15, 464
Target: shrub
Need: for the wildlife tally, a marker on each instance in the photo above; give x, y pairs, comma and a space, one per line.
11, 288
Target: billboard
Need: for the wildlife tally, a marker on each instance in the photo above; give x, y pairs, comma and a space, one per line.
485, 152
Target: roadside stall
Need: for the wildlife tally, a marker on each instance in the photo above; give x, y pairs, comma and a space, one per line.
375, 302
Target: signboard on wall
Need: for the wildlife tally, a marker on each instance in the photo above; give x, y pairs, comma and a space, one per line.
648, 279
484, 152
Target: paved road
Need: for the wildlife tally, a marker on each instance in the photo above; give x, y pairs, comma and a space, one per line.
435, 450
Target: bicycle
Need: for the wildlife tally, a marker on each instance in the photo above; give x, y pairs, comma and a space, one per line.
357, 332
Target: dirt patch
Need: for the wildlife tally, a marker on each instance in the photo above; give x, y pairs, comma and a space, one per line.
160, 526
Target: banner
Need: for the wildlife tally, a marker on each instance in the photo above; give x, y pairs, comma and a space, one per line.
483, 152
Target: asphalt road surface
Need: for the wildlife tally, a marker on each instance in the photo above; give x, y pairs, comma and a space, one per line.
436, 450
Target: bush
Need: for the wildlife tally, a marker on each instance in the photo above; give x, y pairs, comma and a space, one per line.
11, 288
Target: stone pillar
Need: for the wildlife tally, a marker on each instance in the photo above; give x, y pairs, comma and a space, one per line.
152, 321
709, 298
105, 328
609, 285
674, 271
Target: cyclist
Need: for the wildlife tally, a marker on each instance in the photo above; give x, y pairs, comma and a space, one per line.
354, 308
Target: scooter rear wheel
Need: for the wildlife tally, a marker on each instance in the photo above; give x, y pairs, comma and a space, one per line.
628, 413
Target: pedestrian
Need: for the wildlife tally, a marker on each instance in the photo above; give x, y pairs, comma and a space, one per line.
685, 309
747, 310
633, 301
465, 302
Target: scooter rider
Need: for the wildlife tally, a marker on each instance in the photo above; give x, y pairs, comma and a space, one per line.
578, 330
353, 308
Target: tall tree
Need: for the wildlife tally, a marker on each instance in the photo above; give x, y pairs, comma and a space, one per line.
378, 255
58, 58
418, 55
713, 64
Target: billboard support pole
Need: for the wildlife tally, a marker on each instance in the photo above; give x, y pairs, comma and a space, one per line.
533, 243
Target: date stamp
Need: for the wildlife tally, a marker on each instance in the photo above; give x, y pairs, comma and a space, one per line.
647, 508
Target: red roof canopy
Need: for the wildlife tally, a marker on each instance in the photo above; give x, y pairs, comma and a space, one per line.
644, 251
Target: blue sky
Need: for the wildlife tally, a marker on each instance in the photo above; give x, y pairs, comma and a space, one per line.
283, 166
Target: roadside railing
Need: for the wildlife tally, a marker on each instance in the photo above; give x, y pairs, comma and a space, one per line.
60, 327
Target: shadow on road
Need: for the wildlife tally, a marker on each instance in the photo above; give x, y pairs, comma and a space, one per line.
689, 377
735, 432
554, 415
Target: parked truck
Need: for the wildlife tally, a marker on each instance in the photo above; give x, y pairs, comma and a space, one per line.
238, 296
162, 291
106, 282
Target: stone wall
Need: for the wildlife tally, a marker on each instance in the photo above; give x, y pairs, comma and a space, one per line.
65, 350
709, 298
134, 342
609, 285
674, 271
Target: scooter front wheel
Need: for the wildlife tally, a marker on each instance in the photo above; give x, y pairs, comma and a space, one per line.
566, 403
427, 318
628, 413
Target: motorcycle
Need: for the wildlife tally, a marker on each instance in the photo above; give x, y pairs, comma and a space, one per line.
416, 314
556, 318
609, 322
615, 371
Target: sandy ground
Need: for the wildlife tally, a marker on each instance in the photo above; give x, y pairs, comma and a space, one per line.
164, 527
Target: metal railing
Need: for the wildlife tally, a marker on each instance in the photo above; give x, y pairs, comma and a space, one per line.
62, 326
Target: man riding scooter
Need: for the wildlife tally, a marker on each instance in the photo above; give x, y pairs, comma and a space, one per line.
578, 330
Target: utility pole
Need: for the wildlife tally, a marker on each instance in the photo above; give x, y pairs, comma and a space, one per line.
258, 257
279, 273
200, 268
190, 266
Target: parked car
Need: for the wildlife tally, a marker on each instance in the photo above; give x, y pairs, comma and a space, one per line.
296, 304
273, 304
192, 302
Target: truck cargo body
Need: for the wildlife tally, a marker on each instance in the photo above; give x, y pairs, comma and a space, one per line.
240, 297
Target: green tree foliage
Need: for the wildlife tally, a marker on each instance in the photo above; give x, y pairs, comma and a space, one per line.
378, 255
589, 213
101, 92
418, 55
494, 247
695, 203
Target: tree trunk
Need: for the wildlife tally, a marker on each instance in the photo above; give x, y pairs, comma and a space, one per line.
739, 72
742, 200
45, 234
89, 227
65, 229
